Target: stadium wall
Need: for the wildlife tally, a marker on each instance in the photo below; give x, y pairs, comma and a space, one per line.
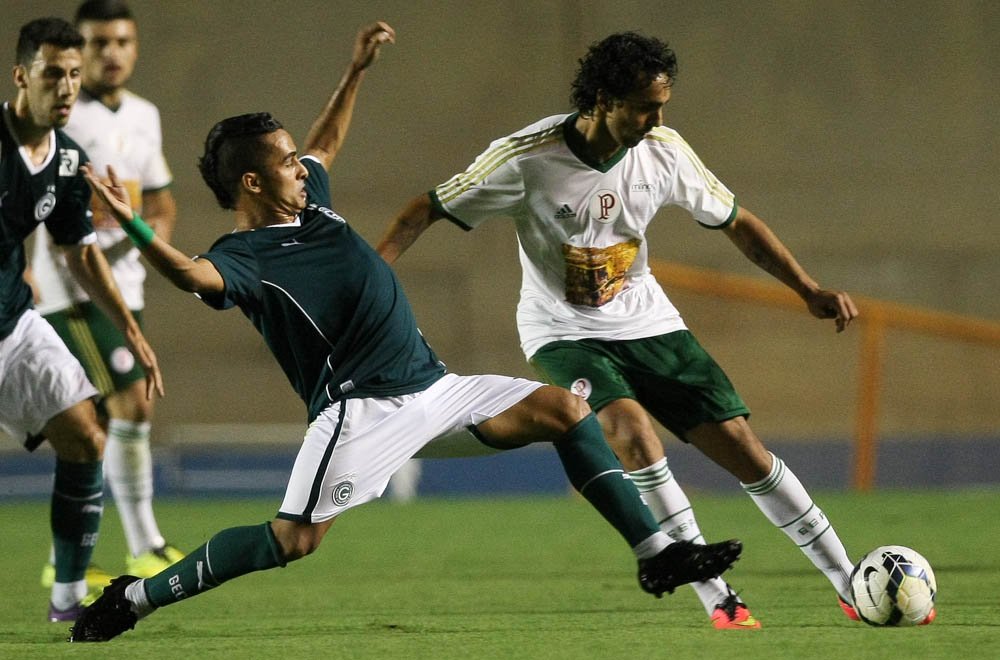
857, 129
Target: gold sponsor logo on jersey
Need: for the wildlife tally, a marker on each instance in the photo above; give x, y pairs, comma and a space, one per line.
595, 275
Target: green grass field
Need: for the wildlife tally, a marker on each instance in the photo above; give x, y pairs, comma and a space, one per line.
524, 578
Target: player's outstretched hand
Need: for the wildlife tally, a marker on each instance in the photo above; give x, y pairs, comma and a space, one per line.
143, 353
837, 305
110, 191
369, 41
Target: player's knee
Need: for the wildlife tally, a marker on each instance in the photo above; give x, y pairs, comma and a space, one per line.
298, 541
566, 409
84, 444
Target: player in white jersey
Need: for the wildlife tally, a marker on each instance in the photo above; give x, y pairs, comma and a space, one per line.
117, 128
582, 189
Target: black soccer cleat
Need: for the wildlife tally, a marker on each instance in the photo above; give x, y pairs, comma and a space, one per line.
682, 562
108, 616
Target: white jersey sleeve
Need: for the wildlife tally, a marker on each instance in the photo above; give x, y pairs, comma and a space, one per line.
689, 184
156, 173
493, 185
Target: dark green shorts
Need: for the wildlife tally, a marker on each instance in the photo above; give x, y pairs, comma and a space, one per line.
99, 345
670, 375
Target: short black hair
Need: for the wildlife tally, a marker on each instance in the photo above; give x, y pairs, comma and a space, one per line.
50, 30
232, 148
103, 10
618, 65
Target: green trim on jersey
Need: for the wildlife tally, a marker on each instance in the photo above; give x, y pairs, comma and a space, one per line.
729, 220
576, 143
439, 207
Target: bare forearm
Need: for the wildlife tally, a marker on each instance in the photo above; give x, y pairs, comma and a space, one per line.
761, 246
183, 272
160, 212
91, 270
406, 228
329, 131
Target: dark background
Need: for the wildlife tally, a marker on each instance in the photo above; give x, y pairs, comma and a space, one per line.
865, 133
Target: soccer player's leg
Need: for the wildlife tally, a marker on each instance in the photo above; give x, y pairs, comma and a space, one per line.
71, 327
235, 551
45, 394
128, 461
598, 371
77, 505
556, 415
779, 495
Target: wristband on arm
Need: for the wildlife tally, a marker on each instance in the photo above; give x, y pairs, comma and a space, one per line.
140, 233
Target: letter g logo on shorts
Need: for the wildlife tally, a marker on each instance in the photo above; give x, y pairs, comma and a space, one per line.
342, 492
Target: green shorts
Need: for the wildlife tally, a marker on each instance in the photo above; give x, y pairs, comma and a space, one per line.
99, 345
670, 375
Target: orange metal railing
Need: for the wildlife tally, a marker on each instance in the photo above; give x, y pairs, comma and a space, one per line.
877, 316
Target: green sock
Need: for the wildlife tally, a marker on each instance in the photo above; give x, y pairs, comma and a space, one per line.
595, 472
77, 505
230, 553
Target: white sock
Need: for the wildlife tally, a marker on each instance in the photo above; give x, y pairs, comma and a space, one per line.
135, 594
128, 469
652, 546
673, 512
67, 594
785, 502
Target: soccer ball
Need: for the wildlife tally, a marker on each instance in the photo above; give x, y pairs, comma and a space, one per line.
893, 586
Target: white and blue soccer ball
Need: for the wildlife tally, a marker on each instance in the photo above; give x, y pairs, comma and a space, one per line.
894, 586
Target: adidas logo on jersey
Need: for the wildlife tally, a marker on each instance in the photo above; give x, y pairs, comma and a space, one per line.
565, 212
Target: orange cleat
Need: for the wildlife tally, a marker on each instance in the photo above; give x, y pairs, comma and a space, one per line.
849, 610
731, 614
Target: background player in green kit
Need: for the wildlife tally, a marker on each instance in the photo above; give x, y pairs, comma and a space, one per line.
116, 127
44, 392
336, 319
582, 189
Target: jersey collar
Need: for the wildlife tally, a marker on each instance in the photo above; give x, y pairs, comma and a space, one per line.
576, 144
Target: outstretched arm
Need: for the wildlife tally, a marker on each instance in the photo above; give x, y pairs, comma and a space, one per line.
195, 276
756, 240
91, 270
330, 128
407, 227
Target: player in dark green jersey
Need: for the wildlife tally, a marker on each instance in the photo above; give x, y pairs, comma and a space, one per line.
336, 319
44, 392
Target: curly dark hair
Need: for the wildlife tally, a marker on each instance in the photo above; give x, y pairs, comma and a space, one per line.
51, 30
232, 148
618, 65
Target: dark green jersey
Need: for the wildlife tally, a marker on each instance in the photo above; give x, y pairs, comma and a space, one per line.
329, 308
54, 193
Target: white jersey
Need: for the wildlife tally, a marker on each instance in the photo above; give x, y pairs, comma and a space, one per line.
129, 140
581, 226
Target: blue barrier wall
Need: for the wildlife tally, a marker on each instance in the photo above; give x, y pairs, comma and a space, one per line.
208, 471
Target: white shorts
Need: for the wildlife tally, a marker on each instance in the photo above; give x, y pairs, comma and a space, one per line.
352, 449
39, 377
